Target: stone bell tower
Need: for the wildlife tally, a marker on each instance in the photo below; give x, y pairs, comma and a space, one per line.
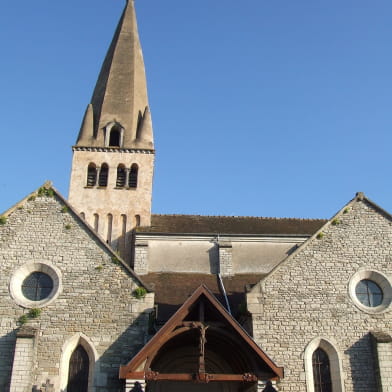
113, 159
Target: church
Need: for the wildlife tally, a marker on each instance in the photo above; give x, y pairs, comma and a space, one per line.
100, 295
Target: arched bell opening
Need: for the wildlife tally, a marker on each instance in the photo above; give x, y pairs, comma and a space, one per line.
114, 135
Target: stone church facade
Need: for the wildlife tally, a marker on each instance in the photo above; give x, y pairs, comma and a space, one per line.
100, 295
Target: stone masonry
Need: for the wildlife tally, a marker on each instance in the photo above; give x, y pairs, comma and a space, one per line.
23, 361
226, 258
307, 297
95, 301
141, 258
383, 355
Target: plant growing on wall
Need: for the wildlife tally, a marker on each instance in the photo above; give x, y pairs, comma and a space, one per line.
139, 292
34, 313
3, 220
23, 319
45, 192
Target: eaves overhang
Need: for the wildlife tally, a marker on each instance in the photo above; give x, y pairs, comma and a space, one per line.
140, 367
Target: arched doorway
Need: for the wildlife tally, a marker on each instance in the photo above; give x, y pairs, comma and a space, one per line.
78, 372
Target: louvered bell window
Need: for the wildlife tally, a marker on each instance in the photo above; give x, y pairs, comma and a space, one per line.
133, 174
91, 175
121, 177
103, 175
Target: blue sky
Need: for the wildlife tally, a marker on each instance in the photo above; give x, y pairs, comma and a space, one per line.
266, 108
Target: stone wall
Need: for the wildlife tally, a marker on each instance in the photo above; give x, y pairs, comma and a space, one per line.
307, 298
123, 204
95, 305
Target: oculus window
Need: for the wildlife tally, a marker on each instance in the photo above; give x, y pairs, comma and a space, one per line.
37, 286
371, 291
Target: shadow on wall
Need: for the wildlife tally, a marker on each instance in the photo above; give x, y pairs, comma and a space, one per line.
120, 352
213, 256
363, 365
7, 349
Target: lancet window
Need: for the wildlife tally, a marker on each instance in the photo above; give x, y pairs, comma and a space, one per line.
321, 371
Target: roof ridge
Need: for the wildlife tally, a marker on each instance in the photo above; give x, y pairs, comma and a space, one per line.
241, 217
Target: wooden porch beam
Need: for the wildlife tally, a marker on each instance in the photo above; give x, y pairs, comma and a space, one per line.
193, 377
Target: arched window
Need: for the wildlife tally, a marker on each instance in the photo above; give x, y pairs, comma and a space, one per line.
132, 183
137, 220
83, 215
103, 175
323, 367
123, 230
91, 174
96, 222
321, 371
121, 176
78, 372
110, 224
115, 137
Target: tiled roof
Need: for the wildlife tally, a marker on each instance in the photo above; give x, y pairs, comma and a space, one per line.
172, 289
231, 225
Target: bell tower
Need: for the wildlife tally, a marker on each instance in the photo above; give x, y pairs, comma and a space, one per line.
113, 159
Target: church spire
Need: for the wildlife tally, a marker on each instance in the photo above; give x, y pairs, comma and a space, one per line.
120, 96
113, 159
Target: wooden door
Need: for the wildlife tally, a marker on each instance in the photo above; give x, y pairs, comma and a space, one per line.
78, 371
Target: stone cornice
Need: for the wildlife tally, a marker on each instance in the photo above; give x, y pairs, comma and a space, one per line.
111, 149
145, 237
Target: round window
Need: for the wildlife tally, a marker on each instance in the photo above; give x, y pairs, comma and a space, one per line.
37, 286
369, 293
